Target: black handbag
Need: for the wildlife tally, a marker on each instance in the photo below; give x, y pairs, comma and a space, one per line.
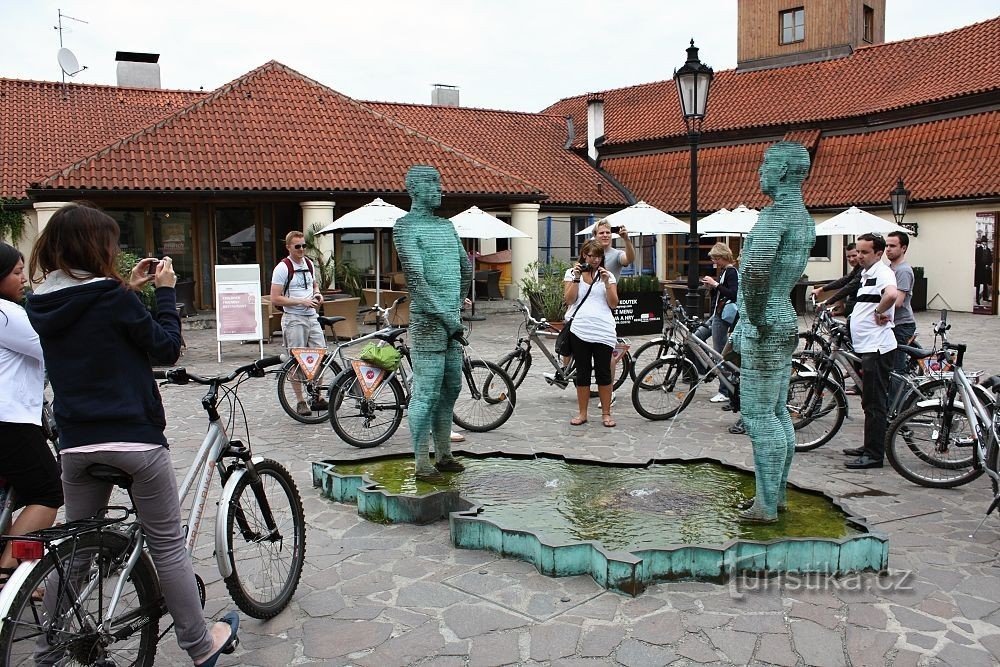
562, 346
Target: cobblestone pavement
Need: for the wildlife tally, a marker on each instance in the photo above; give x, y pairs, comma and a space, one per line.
386, 595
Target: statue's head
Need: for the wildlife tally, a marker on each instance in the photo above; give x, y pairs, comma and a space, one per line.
785, 167
424, 185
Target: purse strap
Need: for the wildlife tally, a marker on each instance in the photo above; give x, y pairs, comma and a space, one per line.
583, 299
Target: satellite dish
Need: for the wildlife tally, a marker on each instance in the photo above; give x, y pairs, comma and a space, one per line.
68, 62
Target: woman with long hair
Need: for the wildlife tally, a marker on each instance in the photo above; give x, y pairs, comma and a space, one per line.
26, 461
591, 293
99, 341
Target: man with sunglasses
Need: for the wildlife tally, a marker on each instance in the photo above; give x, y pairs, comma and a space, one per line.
295, 291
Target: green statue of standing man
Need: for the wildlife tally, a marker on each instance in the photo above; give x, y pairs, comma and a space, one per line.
774, 257
438, 276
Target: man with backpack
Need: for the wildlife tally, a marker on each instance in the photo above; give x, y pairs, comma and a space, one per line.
294, 291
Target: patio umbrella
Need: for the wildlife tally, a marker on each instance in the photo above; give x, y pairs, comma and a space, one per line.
854, 222
474, 223
725, 222
377, 215
641, 218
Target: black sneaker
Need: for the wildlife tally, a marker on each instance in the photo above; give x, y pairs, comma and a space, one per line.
854, 451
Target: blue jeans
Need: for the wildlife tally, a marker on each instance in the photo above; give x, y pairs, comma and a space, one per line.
720, 334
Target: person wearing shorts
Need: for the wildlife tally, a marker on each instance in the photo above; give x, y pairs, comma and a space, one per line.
299, 297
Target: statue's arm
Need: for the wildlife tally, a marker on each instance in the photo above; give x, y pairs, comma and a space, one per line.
758, 266
467, 269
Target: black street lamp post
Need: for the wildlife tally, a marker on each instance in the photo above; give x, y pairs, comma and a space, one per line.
693, 81
899, 197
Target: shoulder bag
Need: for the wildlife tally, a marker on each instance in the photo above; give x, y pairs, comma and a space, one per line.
562, 346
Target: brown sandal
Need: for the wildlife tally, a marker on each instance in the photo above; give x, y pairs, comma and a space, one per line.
608, 421
576, 421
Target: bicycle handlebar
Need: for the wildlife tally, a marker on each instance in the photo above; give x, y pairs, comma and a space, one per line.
181, 375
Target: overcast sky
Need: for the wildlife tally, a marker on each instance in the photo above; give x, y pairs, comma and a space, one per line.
507, 54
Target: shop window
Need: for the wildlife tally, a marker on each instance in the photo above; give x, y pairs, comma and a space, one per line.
132, 223
820, 249
236, 236
869, 27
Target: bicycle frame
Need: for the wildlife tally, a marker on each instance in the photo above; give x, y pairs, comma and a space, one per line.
534, 335
711, 360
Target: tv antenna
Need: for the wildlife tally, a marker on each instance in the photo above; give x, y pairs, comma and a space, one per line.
68, 63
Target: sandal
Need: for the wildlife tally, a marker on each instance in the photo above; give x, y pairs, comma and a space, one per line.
608, 421
576, 421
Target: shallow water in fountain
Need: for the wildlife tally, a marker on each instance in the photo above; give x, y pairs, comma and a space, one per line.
621, 507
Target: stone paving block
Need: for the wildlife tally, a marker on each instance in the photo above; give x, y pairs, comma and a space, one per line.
326, 638
494, 650
695, 622
992, 644
736, 646
965, 656
430, 594
865, 647
906, 658
914, 620
818, 645
866, 615
553, 640
473, 620
776, 650
281, 653
661, 628
760, 623
599, 641
406, 649
322, 603
634, 653
825, 616
697, 649
363, 612
975, 607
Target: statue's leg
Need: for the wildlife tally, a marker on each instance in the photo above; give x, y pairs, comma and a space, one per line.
785, 419
759, 390
451, 386
428, 371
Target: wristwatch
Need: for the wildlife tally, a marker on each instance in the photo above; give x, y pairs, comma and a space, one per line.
576, 280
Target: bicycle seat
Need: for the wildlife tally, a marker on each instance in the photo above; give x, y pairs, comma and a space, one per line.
992, 383
916, 352
325, 321
105, 473
390, 335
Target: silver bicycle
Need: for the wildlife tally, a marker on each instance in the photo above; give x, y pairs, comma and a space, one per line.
102, 601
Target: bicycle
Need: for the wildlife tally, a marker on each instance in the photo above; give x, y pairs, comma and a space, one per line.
667, 343
295, 384
102, 603
948, 441
517, 362
367, 403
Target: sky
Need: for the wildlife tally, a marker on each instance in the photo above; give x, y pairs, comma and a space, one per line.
518, 55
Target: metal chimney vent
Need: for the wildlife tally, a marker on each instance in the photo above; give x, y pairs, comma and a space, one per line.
444, 95
138, 70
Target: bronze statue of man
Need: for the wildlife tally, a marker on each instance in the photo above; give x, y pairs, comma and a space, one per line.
774, 256
438, 276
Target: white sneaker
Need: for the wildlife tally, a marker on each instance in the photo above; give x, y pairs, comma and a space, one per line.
718, 398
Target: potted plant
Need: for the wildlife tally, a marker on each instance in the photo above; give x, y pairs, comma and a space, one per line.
544, 289
640, 305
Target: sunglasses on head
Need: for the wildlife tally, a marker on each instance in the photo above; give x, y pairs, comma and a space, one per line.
299, 246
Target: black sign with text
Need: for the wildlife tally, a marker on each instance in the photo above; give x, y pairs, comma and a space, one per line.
639, 313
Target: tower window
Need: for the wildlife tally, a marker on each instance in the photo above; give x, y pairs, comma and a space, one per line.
869, 27
793, 25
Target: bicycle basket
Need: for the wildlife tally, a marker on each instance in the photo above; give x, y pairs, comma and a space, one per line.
382, 355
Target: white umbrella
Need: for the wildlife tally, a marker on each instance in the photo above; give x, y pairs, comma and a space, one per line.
641, 218
475, 223
855, 222
724, 222
248, 235
377, 215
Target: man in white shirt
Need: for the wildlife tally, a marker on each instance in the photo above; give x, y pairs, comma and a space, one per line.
874, 342
298, 295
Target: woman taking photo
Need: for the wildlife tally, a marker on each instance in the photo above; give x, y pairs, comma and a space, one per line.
26, 461
591, 293
99, 342
724, 288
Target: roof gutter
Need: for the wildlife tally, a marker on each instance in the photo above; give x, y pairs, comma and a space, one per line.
61, 194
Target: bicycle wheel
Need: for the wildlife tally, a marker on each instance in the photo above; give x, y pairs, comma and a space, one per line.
293, 388
933, 446
79, 578
929, 389
664, 388
363, 421
644, 354
818, 407
488, 402
516, 365
266, 563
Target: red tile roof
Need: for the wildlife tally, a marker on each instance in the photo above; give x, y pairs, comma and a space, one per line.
275, 129
872, 80
45, 126
530, 145
944, 160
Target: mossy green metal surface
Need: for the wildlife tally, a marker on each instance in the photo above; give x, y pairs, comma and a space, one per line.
626, 526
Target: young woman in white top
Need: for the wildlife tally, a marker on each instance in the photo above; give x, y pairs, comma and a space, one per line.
26, 461
591, 294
